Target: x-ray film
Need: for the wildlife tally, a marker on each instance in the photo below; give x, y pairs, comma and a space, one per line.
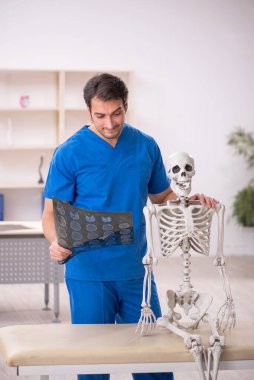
79, 229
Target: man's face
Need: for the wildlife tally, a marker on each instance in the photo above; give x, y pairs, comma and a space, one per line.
108, 117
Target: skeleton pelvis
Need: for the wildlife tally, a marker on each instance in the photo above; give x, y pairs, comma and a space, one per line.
188, 306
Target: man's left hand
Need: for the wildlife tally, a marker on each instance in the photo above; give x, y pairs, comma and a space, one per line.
204, 200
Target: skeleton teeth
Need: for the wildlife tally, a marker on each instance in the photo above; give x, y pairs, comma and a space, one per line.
183, 185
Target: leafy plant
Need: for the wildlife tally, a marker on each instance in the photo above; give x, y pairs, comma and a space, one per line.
243, 143
243, 206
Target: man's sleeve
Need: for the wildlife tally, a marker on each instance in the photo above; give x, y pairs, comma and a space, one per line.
61, 177
159, 181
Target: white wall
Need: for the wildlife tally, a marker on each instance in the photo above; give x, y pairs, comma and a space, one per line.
192, 63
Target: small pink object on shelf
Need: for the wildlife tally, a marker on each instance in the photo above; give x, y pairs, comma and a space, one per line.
24, 101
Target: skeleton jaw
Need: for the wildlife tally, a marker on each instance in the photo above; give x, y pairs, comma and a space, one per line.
183, 188
185, 185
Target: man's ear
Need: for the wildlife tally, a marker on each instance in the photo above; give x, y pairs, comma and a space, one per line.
125, 107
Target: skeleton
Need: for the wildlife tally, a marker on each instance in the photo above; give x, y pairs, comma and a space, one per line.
186, 224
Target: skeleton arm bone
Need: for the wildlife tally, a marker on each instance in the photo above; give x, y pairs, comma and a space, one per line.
226, 313
147, 319
220, 259
149, 258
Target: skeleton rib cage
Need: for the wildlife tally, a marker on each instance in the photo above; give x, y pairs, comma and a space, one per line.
177, 222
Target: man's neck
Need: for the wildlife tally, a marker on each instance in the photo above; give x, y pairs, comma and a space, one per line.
112, 142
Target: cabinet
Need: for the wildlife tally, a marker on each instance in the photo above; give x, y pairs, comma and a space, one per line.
39, 109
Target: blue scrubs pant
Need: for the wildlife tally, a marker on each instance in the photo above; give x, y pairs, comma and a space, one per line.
110, 302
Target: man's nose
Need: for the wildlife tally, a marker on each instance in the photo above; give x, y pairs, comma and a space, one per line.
109, 123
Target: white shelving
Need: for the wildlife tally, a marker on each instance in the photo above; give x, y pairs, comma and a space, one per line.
13, 109
26, 147
22, 186
54, 110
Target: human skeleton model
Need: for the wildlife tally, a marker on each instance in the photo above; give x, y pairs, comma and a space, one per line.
186, 224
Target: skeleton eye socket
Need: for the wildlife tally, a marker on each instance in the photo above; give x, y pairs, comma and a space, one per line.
188, 168
176, 169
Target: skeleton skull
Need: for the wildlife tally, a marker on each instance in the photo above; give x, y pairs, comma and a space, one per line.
181, 170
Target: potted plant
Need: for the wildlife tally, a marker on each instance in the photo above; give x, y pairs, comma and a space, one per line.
243, 206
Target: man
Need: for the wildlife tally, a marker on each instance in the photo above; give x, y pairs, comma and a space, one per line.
108, 166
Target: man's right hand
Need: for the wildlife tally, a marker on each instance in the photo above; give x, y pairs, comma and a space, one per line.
57, 252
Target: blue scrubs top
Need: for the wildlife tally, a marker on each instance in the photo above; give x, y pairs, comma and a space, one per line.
91, 174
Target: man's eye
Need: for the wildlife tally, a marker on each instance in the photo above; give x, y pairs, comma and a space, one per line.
100, 116
117, 113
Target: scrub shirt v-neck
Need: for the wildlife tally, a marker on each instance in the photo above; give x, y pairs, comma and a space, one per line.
91, 174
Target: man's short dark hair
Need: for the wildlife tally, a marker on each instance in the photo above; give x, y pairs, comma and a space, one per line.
105, 87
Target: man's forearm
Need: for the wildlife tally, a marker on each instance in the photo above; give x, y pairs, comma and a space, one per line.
170, 197
48, 225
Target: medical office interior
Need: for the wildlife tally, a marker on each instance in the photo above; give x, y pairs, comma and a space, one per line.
189, 69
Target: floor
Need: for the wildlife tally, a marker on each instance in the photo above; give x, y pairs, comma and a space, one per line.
22, 304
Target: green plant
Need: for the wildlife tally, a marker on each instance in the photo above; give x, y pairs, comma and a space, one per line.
243, 206
243, 143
